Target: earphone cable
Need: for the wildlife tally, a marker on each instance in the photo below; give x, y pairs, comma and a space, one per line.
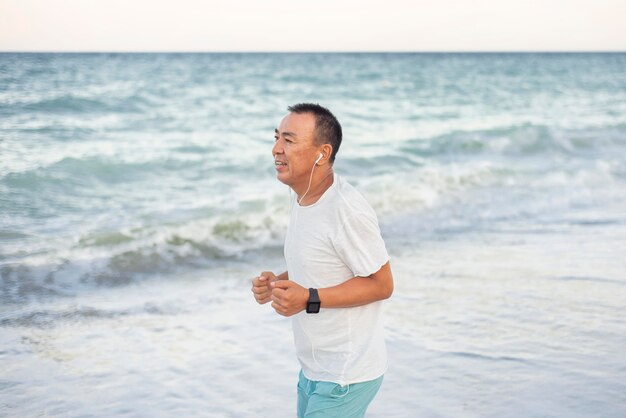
307, 189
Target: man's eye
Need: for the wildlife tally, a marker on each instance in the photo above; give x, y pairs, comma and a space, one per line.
275, 138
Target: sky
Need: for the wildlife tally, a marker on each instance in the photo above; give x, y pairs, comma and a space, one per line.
319, 25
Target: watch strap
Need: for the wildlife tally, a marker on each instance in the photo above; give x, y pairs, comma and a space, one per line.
313, 304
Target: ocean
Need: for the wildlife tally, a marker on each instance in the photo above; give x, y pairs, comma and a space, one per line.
138, 197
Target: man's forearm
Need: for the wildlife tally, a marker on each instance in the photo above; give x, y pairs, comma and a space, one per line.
358, 291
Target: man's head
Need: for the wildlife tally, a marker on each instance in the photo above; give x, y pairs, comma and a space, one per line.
327, 127
307, 131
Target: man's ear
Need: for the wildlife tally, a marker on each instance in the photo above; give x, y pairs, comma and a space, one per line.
327, 151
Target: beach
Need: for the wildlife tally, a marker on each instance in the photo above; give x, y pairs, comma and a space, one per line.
138, 199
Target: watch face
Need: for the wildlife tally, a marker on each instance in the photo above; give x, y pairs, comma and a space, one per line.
313, 307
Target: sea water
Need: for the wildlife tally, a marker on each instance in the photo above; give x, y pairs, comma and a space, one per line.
138, 197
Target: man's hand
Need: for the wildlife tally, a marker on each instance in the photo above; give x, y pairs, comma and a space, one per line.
261, 286
288, 297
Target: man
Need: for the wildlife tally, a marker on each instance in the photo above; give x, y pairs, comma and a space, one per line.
337, 274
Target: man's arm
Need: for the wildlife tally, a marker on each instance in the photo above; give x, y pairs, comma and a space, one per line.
289, 298
358, 291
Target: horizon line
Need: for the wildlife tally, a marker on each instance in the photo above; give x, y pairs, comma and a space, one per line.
113, 51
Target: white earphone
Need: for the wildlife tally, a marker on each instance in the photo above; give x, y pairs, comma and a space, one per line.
311, 177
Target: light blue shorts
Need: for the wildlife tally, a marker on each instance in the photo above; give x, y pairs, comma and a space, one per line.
328, 400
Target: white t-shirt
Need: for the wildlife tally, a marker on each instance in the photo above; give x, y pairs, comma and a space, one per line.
327, 243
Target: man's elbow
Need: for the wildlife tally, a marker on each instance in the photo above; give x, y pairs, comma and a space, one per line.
387, 290
385, 281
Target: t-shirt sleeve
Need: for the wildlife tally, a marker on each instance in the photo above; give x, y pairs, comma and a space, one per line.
360, 246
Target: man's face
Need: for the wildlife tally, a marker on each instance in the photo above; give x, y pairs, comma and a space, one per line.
294, 150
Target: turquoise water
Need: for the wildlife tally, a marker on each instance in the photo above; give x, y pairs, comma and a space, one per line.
499, 181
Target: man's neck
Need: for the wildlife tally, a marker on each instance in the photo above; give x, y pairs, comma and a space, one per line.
319, 184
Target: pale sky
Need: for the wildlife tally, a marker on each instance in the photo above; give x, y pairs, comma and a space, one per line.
314, 25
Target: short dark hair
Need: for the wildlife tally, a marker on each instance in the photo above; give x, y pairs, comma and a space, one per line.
327, 127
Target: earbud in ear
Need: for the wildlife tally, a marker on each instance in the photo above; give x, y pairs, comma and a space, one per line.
319, 158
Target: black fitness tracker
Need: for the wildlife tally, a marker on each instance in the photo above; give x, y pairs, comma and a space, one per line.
313, 305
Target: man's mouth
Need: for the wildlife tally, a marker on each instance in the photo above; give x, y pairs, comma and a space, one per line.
279, 163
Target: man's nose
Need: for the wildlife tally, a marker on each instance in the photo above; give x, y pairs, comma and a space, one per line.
278, 147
